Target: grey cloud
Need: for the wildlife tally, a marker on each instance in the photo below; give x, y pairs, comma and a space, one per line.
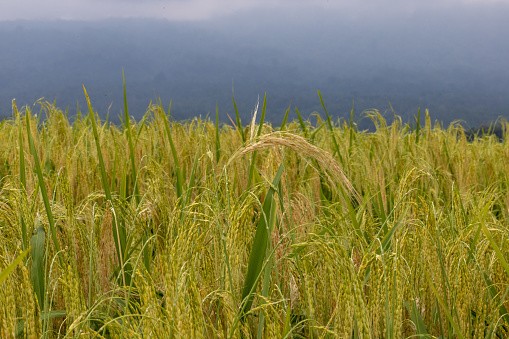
207, 9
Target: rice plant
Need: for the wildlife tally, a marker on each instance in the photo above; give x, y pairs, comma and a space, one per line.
195, 229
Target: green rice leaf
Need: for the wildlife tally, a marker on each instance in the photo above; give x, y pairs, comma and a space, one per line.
262, 117
285, 118
331, 129
38, 276
442, 303
180, 183
253, 158
495, 247
134, 172
267, 273
5, 273
44, 193
302, 124
416, 317
239, 123
22, 173
260, 245
104, 177
218, 141
118, 228
386, 241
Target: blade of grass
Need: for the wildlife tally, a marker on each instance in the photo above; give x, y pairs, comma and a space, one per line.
491, 287
239, 124
415, 315
104, 177
134, 175
331, 129
387, 240
350, 145
116, 160
178, 171
418, 126
267, 273
44, 192
302, 124
495, 247
38, 277
253, 158
259, 247
22, 173
119, 232
142, 125
192, 177
262, 117
218, 141
285, 118
457, 330
6, 271
315, 132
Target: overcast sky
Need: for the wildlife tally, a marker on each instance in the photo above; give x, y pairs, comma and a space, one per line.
209, 9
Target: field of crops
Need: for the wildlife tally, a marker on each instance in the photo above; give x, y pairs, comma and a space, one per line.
162, 229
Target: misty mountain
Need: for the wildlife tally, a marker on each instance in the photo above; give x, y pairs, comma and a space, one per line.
454, 64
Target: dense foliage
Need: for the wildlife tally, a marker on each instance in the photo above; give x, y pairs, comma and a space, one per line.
162, 229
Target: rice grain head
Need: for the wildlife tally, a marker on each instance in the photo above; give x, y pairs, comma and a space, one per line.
275, 140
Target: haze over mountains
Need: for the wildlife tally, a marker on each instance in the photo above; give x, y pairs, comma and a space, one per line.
454, 63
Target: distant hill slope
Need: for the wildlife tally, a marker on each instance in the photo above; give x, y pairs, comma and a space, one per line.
456, 70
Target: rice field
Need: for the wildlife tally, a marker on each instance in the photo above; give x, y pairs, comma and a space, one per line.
164, 229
